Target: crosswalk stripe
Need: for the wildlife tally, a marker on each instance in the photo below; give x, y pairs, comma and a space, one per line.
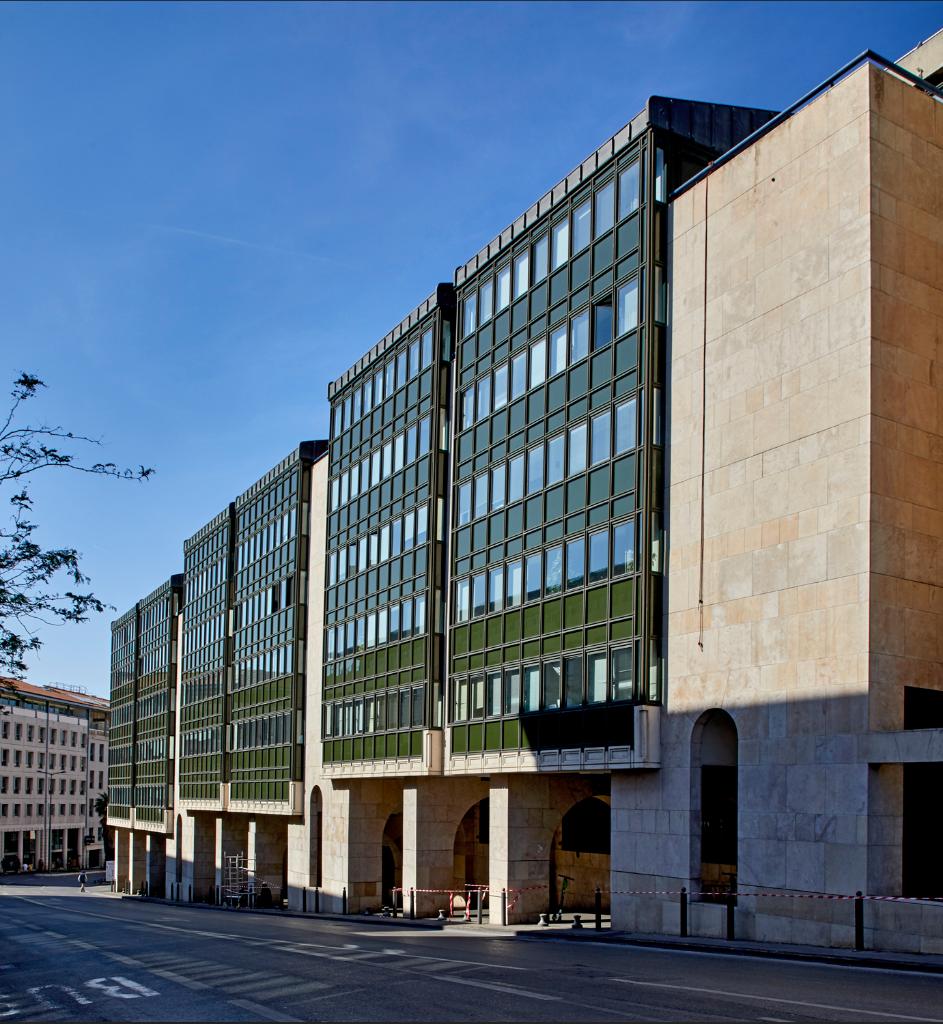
259, 985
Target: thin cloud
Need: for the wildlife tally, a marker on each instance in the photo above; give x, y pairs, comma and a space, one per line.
243, 243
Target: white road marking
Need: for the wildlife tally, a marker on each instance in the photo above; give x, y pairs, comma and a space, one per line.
262, 1011
774, 999
178, 979
136, 986
508, 990
77, 996
446, 960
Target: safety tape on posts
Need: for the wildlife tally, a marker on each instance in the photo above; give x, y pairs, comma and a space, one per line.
782, 895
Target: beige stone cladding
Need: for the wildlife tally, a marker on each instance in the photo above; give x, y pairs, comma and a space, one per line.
906, 627
814, 358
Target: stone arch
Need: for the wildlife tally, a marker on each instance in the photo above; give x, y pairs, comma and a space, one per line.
391, 858
471, 849
580, 855
316, 839
714, 818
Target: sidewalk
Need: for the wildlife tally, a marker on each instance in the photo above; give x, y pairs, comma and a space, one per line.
925, 963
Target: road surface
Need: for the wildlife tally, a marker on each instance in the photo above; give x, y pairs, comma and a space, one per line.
67, 956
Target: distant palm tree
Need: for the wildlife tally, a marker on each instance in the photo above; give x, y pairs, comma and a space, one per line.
101, 809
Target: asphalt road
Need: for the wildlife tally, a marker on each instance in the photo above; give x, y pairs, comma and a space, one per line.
67, 956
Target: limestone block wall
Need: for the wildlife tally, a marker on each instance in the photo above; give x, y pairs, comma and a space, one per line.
778, 352
906, 628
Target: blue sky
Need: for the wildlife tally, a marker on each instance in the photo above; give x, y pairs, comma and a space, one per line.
210, 211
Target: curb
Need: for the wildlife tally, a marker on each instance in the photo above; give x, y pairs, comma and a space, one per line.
867, 958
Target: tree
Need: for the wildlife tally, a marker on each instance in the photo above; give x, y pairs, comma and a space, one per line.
30, 575
101, 809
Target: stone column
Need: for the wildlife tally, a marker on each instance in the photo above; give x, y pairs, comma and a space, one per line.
525, 812
432, 812
230, 837
266, 849
120, 840
195, 846
136, 859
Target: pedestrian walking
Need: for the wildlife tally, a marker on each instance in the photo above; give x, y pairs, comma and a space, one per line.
83, 878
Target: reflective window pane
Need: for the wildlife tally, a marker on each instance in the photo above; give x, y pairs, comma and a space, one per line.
485, 301
600, 438
478, 594
538, 362
484, 397
531, 688
551, 695
468, 408
496, 589
579, 336
561, 243
501, 387
623, 548
558, 350
532, 576
628, 190
553, 582
541, 252
515, 583
575, 562
512, 691
521, 274
481, 495
577, 453
504, 288
555, 448
581, 217
598, 555
604, 209
622, 674
627, 306
626, 426
516, 478
573, 681
535, 469
498, 483
493, 694
596, 678
518, 375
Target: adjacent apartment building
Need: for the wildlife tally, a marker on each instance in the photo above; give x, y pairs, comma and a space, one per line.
53, 768
620, 567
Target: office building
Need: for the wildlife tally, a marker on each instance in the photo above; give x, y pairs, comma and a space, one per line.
619, 568
53, 769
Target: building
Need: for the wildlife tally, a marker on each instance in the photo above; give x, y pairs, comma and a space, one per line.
53, 768
620, 568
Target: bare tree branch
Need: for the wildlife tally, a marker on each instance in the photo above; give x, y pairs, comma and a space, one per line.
28, 595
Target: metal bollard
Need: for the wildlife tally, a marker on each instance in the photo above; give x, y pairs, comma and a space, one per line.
859, 922
189, 894
683, 908
317, 900
412, 903
481, 900
344, 900
504, 907
393, 909
731, 903
597, 902
304, 900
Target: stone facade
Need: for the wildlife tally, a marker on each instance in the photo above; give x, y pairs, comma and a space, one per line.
808, 598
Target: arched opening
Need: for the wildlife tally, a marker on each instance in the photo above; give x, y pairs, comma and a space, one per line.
316, 839
178, 848
580, 856
714, 802
470, 851
392, 858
